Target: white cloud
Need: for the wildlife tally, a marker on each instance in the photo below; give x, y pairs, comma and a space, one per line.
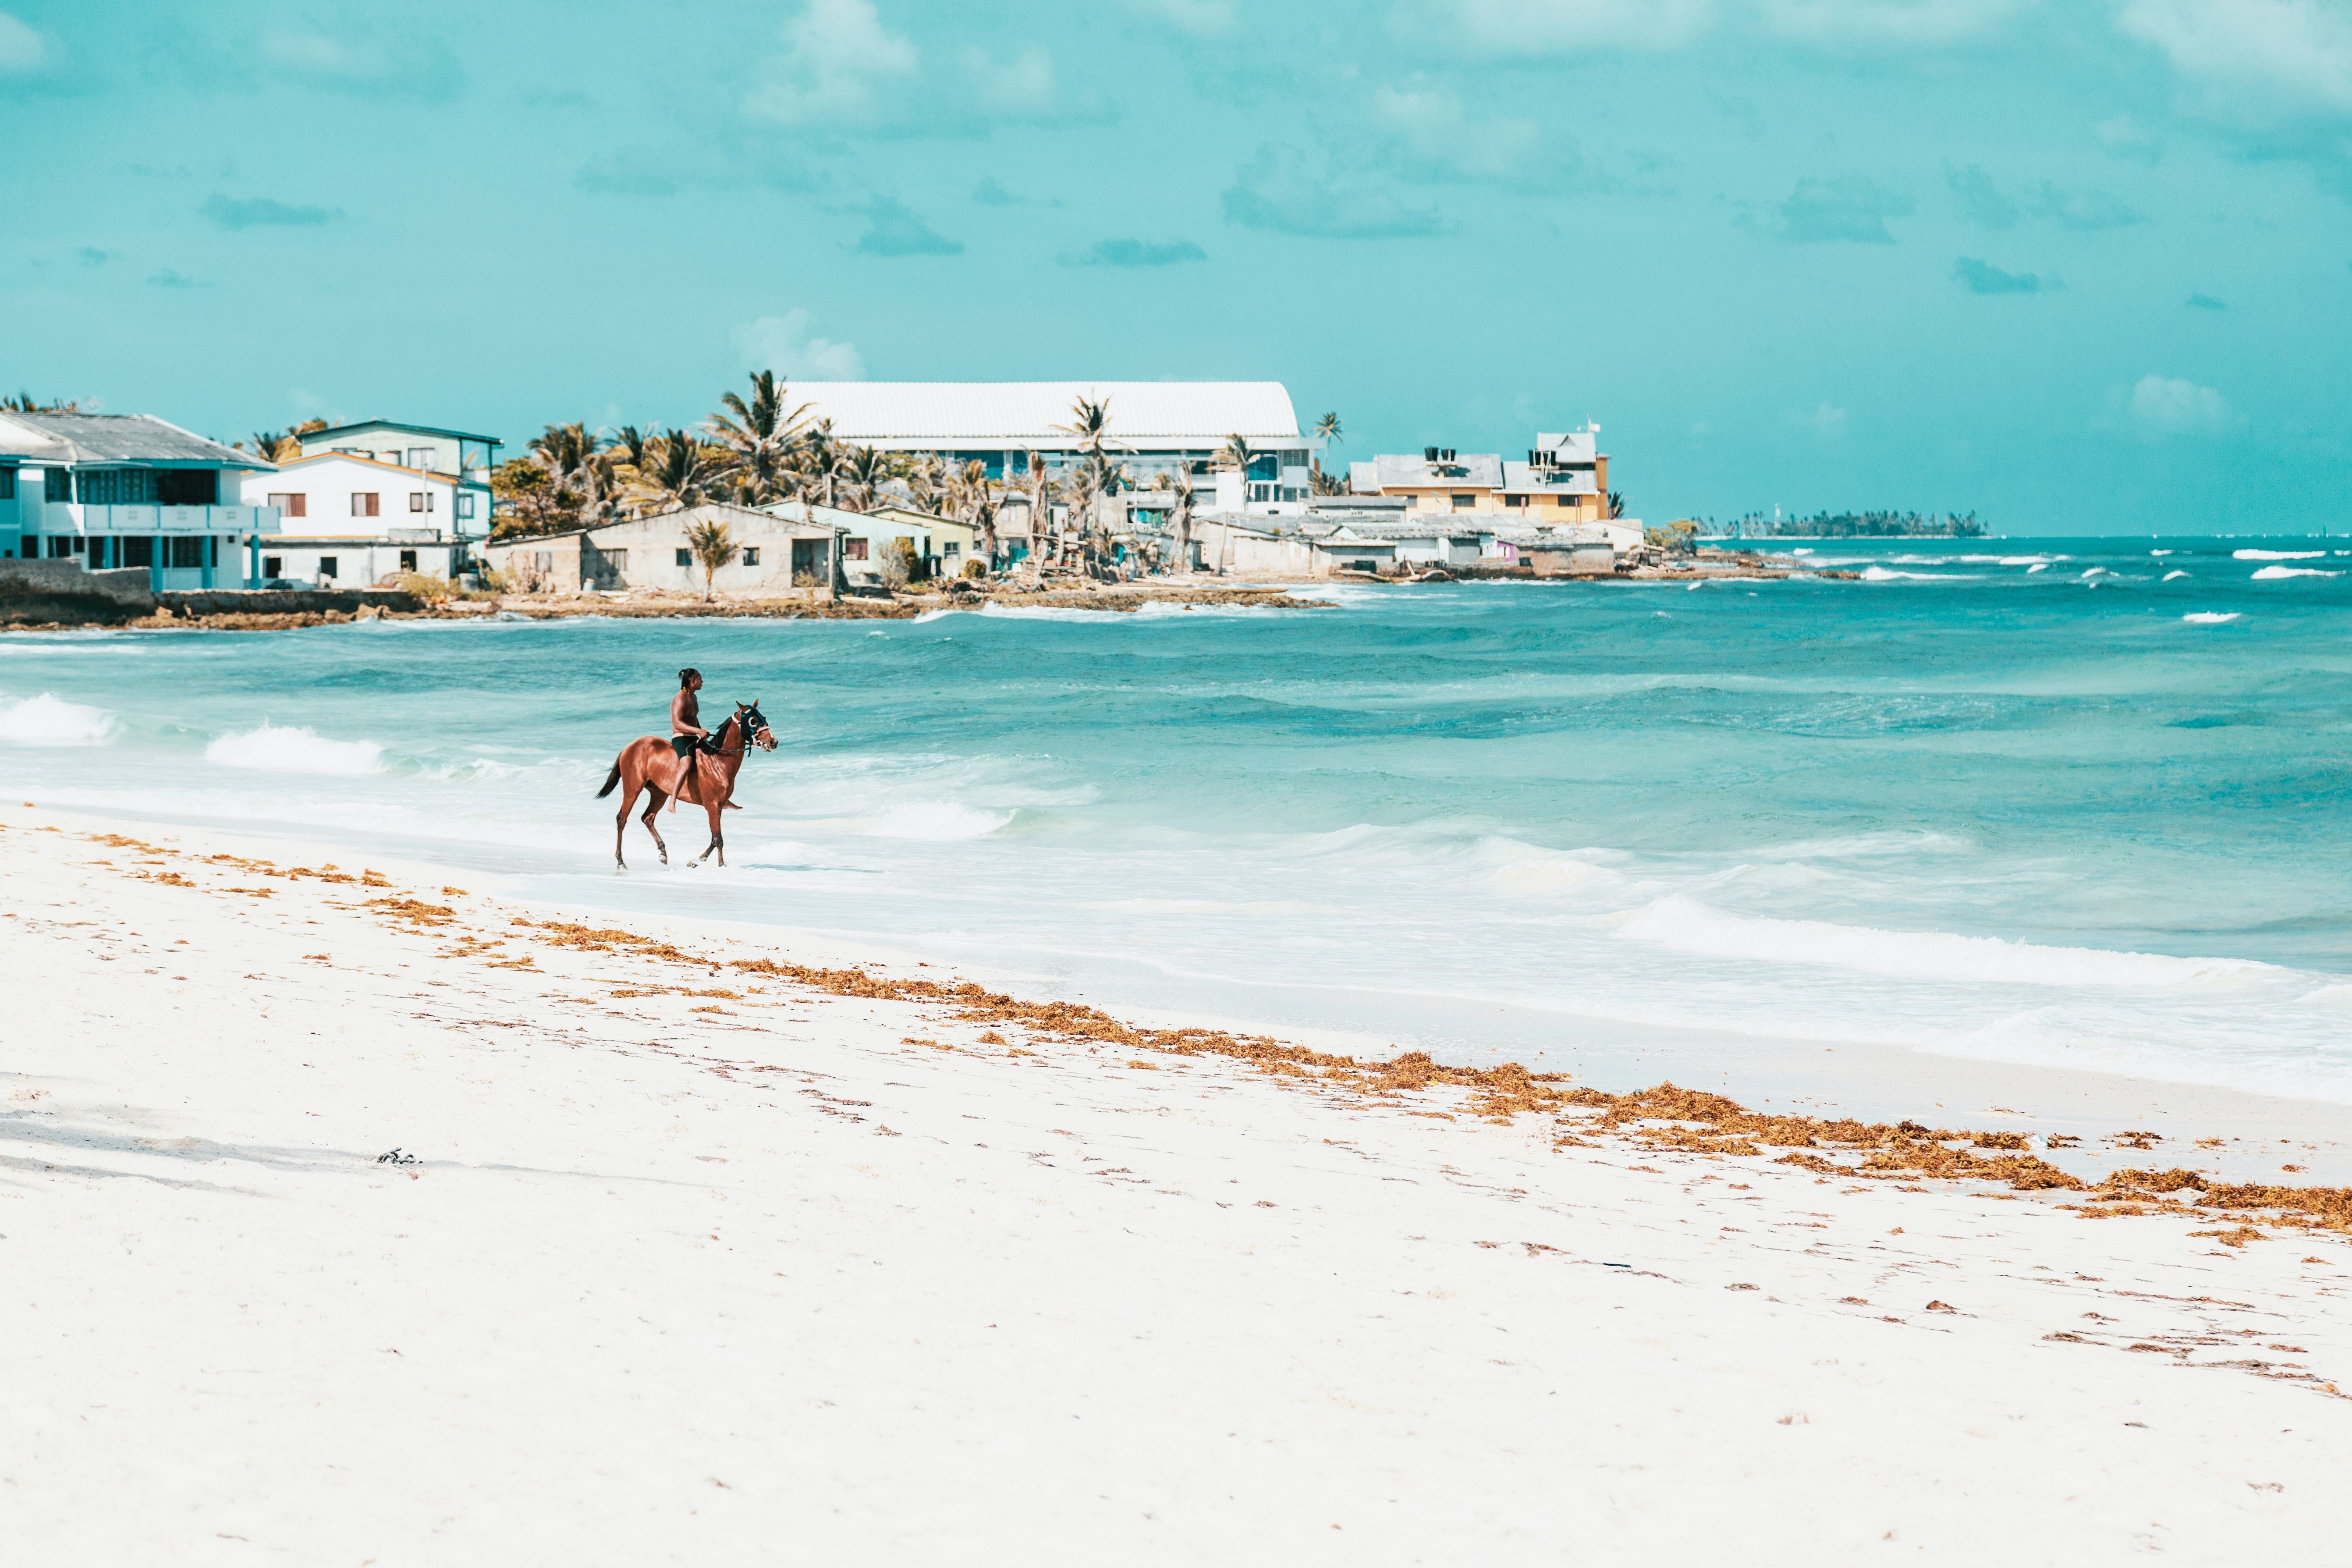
1431, 136
1201, 19
1542, 26
838, 70
782, 343
2162, 407
1884, 21
367, 66
2302, 48
1826, 419
21, 48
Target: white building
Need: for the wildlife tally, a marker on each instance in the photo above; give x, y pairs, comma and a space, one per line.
347, 520
1156, 426
455, 454
127, 490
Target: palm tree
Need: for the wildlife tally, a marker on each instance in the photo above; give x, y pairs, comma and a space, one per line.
277, 446
1327, 429
1179, 526
1616, 504
863, 471
817, 460
26, 403
759, 434
713, 546
1041, 511
680, 473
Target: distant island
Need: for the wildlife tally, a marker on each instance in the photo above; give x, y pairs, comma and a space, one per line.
1857, 525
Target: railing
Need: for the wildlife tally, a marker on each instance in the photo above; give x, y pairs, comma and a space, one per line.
152, 519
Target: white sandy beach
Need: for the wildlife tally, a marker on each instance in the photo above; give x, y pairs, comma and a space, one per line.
676, 1263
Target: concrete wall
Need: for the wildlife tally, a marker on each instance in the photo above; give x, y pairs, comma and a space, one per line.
41, 591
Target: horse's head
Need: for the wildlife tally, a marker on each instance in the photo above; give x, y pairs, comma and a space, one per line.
755, 726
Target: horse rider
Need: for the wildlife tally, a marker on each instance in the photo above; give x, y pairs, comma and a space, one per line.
687, 735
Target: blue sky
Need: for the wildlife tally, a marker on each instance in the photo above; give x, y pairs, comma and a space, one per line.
2077, 266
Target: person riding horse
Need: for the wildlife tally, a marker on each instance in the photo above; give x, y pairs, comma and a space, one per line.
666, 769
686, 734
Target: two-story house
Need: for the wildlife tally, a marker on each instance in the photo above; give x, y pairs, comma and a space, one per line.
127, 490
455, 454
349, 522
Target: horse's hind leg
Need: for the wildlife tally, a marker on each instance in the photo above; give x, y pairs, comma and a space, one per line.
654, 796
621, 823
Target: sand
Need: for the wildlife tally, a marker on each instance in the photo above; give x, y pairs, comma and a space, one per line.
334, 1228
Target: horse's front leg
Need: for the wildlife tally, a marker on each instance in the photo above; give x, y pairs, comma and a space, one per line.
718, 845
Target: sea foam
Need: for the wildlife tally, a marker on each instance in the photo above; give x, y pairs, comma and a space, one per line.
2278, 554
278, 748
1688, 926
2212, 618
2272, 573
51, 721
935, 820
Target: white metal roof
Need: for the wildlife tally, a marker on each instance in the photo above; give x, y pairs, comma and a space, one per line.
140, 438
1194, 416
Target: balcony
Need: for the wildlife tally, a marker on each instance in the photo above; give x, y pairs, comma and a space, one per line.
149, 518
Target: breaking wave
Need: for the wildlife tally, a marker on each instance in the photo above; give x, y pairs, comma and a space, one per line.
51, 721
1686, 925
278, 748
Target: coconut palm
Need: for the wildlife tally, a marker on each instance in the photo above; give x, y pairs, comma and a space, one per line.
277, 446
713, 545
1179, 523
1040, 510
1090, 423
1330, 429
758, 434
678, 472
864, 472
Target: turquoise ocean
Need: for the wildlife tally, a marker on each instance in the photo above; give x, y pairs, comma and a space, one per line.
2074, 802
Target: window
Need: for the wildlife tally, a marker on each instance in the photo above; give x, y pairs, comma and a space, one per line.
685, 557
466, 506
1563, 500
116, 486
8, 484
273, 567
187, 487
62, 545
137, 551
950, 548
417, 500
1515, 503
853, 550
186, 551
327, 565
364, 503
408, 561
420, 456
60, 485
751, 555
293, 504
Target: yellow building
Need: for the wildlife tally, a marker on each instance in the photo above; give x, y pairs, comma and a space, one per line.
1564, 481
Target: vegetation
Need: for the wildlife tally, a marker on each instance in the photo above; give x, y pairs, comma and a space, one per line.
714, 545
1859, 525
26, 403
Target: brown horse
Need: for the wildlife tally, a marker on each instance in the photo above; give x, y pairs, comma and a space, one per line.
706, 778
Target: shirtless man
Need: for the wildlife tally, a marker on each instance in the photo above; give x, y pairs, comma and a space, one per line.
686, 734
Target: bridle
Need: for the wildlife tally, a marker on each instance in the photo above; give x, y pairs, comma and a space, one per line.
754, 725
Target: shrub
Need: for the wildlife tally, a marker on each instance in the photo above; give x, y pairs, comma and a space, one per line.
426, 589
975, 567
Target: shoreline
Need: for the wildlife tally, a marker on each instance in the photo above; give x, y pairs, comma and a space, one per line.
350, 1213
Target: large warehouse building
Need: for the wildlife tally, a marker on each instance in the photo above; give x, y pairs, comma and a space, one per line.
1154, 427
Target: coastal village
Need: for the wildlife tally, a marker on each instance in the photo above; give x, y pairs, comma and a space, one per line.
804, 497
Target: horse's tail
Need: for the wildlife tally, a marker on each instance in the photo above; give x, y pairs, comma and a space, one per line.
611, 780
